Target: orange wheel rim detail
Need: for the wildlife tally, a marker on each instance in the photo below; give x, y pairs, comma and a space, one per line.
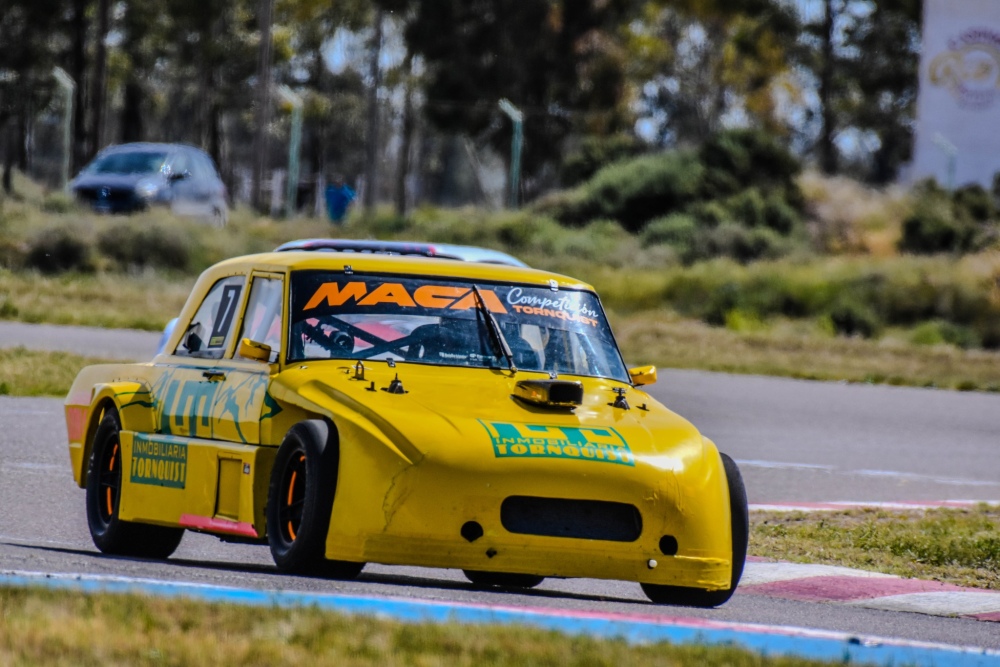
291, 531
110, 504
291, 488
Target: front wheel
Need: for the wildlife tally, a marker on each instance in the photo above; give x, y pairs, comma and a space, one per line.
300, 500
104, 487
739, 522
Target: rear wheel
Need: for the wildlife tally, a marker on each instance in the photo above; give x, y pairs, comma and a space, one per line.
104, 485
300, 499
740, 527
502, 579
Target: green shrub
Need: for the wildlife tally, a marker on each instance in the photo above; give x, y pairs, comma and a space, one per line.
12, 253
573, 207
131, 245
780, 216
635, 192
709, 213
595, 153
735, 241
740, 176
57, 250
937, 332
934, 227
855, 318
677, 229
516, 233
57, 202
747, 207
738, 159
975, 202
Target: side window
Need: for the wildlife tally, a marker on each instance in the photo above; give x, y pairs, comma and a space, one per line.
210, 330
262, 320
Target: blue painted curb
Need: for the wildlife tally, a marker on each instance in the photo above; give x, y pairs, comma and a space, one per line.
761, 639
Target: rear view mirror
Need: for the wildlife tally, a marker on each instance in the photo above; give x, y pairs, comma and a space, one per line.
642, 375
251, 349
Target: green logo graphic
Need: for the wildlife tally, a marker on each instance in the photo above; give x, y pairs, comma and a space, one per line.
558, 442
159, 463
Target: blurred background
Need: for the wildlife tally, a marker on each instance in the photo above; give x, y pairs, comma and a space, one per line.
798, 187
401, 96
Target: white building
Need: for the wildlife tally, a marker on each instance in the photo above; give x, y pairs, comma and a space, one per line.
958, 108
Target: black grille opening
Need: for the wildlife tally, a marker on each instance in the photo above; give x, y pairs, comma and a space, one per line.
566, 392
582, 519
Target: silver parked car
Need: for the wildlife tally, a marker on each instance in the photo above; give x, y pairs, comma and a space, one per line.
133, 177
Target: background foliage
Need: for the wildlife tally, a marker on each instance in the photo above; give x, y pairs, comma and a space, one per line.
597, 80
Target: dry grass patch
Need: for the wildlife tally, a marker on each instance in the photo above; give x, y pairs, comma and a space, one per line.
145, 300
665, 340
958, 546
32, 373
47, 628
849, 216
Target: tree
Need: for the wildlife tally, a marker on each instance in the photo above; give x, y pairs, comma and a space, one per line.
29, 33
718, 59
885, 72
559, 62
864, 57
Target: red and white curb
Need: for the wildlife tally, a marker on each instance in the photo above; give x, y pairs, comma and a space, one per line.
872, 590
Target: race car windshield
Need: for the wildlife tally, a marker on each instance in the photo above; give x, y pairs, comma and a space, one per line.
442, 322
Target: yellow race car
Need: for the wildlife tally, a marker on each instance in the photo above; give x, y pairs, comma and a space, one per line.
353, 408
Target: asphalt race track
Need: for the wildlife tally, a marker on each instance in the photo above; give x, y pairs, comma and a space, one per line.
795, 441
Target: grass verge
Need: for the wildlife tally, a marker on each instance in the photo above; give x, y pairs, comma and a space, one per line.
795, 350
957, 546
32, 373
48, 628
145, 300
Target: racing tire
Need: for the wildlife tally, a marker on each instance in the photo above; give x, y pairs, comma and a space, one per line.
502, 579
739, 519
300, 499
111, 535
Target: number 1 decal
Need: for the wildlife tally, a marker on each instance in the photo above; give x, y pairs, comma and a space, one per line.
224, 316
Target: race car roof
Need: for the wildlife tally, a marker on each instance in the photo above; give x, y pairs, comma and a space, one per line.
439, 250
414, 265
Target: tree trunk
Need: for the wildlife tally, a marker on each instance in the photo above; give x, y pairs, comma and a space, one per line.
406, 141
827, 149
78, 70
371, 138
265, 9
97, 92
132, 111
6, 130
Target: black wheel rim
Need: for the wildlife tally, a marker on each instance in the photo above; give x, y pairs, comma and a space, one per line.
109, 481
292, 498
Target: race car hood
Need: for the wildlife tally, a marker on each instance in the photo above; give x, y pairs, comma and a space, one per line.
469, 415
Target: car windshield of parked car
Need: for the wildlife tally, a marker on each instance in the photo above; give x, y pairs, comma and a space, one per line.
132, 162
444, 322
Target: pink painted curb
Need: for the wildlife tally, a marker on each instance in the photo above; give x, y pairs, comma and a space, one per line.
838, 585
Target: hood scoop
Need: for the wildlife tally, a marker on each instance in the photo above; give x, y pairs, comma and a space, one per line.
556, 394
